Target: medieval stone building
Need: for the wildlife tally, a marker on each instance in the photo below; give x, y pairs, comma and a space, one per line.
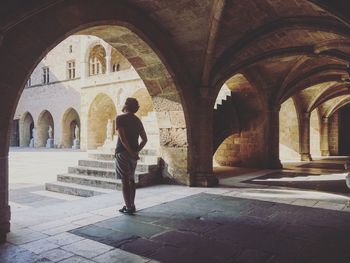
78, 86
285, 64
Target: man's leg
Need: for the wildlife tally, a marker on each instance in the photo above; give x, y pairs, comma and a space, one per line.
126, 193
132, 190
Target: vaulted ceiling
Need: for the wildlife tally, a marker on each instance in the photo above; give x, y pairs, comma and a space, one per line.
284, 47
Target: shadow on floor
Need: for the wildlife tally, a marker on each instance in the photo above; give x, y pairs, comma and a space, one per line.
337, 185
213, 228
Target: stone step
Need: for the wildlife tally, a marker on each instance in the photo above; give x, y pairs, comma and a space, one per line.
149, 159
141, 167
98, 172
87, 180
98, 155
75, 189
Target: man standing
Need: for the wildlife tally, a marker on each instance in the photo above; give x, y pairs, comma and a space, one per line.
129, 129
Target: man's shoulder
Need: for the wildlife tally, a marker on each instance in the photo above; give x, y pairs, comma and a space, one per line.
122, 116
128, 117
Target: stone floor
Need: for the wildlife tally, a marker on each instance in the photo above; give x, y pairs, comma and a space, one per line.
239, 221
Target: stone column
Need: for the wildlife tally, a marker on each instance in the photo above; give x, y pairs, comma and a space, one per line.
4, 207
108, 59
202, 131
273, 160
108, 64
305, 137
4, 183
324, 137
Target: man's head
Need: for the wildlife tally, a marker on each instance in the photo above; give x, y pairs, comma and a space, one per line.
131, 105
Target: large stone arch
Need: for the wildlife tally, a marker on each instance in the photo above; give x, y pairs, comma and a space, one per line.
289, 131
101, 110
45, 120
26, 126
167, 81
70, 120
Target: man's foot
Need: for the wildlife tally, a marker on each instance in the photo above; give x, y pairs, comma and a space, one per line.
126, 210
133, 208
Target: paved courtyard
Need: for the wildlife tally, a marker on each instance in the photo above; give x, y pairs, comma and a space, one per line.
249, 218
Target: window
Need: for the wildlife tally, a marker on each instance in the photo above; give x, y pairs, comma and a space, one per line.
97, 60
71, 69
95, 66
70, 48
29, 82
46, 75
116, 67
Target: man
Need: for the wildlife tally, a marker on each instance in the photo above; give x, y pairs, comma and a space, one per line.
129, 129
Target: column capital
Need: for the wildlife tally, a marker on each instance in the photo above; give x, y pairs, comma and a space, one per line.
325, 119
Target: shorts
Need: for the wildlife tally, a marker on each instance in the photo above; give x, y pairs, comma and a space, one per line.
125, 166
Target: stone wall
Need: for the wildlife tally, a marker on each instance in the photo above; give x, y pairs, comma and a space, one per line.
228, 153
333, 134
289, 131
245, 149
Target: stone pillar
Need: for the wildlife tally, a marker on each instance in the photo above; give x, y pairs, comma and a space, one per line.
4, 184
108, 59
203, 143
4, 207
305, 137
273, 160
108, 64
324, 137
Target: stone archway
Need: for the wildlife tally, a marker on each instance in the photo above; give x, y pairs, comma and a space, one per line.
154, 60
45, 121
101, 110
69, 121
26, 127
239, 129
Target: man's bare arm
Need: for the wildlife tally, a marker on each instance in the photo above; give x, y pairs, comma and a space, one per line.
143, 140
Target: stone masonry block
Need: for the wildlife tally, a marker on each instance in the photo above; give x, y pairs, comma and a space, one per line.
177, 119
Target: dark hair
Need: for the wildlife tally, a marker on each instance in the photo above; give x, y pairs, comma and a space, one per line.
131, 105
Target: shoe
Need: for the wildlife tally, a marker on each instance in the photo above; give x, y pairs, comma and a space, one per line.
126, 210
133, 209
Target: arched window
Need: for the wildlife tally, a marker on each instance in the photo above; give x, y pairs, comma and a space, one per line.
97, 60
116, 67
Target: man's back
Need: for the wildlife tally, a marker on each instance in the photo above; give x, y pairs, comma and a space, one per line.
132, 127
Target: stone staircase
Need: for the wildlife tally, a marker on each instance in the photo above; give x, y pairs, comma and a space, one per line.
225, 120
96, 175
224, 93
